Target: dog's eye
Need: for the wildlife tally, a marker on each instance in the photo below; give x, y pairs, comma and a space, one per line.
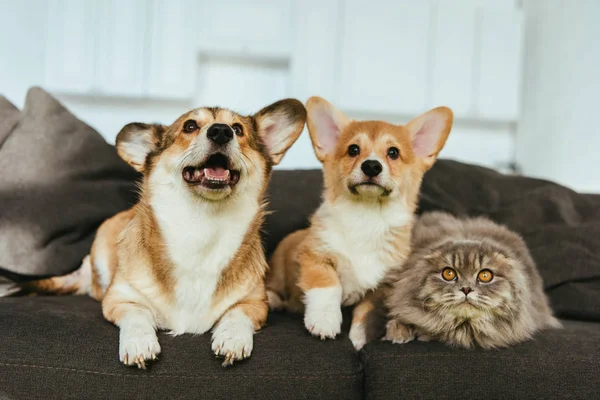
353, 150
485, 276
238, 129
449, 274
190, 126
393, 153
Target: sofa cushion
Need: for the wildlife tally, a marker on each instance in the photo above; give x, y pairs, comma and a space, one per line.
61, 347
9, 115
293, 196
560, 226
63, 181
558, 364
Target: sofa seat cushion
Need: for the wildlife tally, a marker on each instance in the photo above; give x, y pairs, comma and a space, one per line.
61, 347
562, 363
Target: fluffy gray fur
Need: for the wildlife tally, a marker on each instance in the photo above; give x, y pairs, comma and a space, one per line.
507, 310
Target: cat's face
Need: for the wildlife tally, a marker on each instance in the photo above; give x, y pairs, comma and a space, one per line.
470, 280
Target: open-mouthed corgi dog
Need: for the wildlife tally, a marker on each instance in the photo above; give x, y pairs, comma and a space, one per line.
188, 256
372, 176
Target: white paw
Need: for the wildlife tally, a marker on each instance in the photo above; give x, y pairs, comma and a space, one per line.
323, 315
358, 336
274, 300
137, 346
324, 323
232, 338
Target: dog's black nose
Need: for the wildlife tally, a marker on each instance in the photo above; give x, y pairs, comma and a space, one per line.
371, 168
220, 133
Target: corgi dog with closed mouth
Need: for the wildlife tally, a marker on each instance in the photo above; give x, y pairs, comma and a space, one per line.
362, 230
188, 256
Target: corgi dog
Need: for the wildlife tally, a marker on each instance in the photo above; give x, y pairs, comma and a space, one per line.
188, 256
362, 230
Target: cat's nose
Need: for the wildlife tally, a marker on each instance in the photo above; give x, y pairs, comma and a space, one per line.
466, 290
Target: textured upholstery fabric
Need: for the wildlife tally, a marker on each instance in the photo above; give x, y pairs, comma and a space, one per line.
59, 181
62, 348
293, 196
557, 364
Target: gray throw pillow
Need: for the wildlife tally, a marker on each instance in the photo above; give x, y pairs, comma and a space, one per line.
59, 180
9, 116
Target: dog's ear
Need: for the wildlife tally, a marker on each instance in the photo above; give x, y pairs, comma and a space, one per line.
135, 141
325, 123
428, 133
279, 125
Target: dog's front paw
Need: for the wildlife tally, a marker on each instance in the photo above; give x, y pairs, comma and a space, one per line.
323, 315
398, 333
232, 338
137, 346
325, 324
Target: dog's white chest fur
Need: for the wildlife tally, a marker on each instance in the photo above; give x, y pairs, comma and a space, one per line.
358, 236
201, 242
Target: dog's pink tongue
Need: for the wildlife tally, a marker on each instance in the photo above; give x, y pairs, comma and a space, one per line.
216, 173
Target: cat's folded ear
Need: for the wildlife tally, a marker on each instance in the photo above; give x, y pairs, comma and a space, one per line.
429, 132
136, 140
325, 124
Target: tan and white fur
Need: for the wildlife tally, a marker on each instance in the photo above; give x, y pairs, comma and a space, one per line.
188, 257
362, 230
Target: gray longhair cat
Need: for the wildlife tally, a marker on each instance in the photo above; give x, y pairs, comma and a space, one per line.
467, 282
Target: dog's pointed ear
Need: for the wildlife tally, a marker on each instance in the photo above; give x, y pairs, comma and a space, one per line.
325, 124
135, 141
428, 133
279, 125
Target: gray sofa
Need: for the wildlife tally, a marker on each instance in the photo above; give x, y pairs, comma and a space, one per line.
62, 348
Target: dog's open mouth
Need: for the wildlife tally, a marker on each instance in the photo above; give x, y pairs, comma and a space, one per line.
214, 174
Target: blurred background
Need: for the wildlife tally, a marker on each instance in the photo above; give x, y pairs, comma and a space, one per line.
521, 75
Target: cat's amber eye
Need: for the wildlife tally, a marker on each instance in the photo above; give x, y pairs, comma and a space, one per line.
485, 276
449, 274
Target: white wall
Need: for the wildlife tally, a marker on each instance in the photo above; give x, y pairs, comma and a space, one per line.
559, 134
22, 49
469, 59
